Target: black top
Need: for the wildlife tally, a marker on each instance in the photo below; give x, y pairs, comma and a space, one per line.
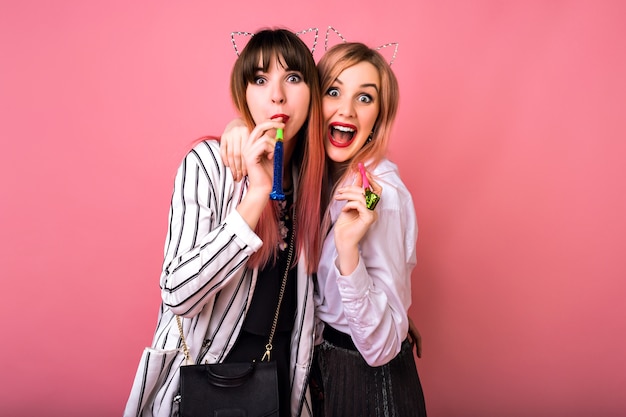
262, 309
257, 324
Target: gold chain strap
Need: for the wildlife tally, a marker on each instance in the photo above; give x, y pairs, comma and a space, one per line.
268, 347
182, 337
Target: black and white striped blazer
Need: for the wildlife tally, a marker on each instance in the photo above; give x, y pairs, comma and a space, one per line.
205, 280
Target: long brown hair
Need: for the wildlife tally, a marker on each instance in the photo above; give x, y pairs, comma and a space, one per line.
308, 156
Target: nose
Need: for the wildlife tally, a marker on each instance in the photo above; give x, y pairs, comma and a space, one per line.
346, 107
278, 94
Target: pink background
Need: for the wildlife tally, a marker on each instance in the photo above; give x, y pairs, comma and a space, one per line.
511, 137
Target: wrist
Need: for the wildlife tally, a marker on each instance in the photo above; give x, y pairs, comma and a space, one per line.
347, 259
252, 205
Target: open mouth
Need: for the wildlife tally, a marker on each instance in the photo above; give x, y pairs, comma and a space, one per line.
340, 135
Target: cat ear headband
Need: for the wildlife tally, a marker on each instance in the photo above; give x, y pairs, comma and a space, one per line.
386, 45
249, 34
329, 30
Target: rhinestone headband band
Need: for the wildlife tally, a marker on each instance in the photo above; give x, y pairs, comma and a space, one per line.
302, 32
329, 30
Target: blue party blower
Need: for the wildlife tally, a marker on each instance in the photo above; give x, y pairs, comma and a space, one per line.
277, 187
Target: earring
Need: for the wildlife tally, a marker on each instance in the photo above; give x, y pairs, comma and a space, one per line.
369, 138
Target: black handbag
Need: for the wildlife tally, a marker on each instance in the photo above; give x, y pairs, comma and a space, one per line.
229, 390
240, 389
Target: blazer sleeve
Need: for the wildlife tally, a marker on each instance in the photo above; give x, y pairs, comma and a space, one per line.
208, 242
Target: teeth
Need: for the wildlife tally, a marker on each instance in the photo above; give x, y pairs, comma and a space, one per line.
343, 129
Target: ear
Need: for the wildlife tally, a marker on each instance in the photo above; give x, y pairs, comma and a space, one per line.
333, 37
240, 40
389, 51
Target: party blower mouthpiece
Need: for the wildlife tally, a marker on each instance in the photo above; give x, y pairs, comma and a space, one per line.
277, 187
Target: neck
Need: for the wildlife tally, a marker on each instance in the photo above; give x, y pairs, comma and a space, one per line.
337, 169
287, 180
288, 149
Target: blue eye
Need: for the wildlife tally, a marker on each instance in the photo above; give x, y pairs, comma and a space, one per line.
333, 92
365, 98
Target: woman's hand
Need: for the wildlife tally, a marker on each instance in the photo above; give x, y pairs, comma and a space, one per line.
415, 338
353, 223
235, 136
257, 157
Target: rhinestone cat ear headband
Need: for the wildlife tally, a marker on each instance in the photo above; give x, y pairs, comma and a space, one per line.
316, 30
302, 32
386, 45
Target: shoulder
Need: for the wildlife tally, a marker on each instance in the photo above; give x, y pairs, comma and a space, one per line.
206, 155
396, 203
206, 150
394, 191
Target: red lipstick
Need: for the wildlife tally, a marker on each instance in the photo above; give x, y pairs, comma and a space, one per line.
283, 116
341, 135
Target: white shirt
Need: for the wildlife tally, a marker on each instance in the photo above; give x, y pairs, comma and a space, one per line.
372, 303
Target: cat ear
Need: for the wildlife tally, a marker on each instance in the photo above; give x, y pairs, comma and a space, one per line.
386, 51
242, 40
333, 37
306, 36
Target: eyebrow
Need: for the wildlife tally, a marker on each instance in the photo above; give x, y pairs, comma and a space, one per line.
374, 86
260, 69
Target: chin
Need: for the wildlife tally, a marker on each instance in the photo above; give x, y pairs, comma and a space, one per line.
338, 155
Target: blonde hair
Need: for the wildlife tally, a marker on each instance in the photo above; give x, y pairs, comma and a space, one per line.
345, 55
332, 64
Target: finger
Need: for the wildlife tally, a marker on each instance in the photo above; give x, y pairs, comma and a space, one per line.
231, 143
351, 205
268, 127
373, 185
418, 347
358, 180
352, 189
416, 337
366, 215
224, 152
260, 139
270, 143
256, 155
351, 196
376, 187
236, 158
351, 192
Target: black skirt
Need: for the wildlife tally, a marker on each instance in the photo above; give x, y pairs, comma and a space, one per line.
343, 384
